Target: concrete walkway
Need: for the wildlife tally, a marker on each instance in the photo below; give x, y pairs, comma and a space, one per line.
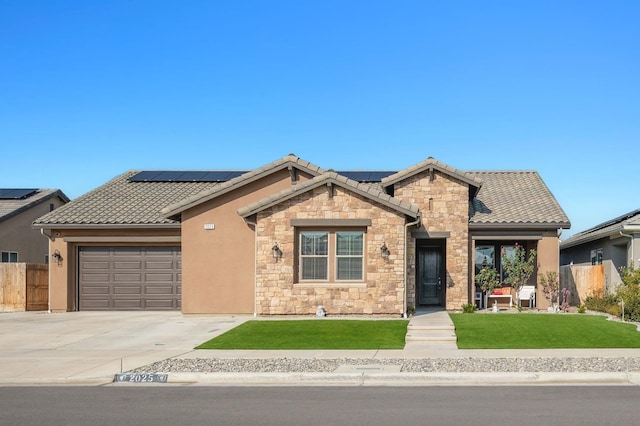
431, 329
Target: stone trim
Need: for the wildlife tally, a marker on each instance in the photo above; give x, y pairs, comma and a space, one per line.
329, 285
330, 222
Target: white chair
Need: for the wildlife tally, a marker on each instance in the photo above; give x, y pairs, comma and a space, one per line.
528, 292
478, 299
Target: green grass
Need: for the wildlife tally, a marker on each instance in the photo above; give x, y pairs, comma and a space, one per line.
312, 334
542, 331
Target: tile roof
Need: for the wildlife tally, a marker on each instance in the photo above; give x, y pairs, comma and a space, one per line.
505, 198
369, 191
515, 198
13, 207
604, 229
120, 202
290, 160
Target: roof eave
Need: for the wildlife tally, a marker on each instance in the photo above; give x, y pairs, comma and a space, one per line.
523, 226
174, 211
106, 226
408, 211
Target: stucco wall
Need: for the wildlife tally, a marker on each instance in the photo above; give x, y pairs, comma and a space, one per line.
278, 292
444, 203
218, 264
16, 234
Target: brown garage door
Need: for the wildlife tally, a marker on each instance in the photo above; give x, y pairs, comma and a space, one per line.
129, 278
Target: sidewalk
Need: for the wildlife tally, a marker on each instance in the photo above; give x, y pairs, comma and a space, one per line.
90, 348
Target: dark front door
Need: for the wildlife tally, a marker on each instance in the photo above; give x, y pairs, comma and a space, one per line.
430, 281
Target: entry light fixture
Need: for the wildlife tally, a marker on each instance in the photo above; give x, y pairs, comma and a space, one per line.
275, 250
57, 256
384, 251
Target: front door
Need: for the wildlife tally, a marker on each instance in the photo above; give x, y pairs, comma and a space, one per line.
430, 282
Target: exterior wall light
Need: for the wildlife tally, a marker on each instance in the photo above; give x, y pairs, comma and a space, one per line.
57, 256
384, 251
275, 250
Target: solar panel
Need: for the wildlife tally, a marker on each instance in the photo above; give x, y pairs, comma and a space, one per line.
16, 194
366, 176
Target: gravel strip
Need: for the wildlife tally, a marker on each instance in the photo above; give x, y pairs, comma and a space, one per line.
445, 365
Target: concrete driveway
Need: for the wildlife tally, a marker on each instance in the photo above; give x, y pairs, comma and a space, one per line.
91, 347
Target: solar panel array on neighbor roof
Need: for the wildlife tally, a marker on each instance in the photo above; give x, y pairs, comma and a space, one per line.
16, 194
226, 175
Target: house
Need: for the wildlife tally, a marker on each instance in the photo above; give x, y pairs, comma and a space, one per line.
19, 242
612, 244
290, 236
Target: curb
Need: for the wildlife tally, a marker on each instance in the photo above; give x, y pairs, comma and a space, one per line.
356, 379
405, 379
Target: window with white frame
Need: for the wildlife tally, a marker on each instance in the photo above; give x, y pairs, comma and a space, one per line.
596, 256
9, 257
331, 255
314, 255
349, 255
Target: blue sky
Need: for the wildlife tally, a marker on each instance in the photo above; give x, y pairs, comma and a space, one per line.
89, 90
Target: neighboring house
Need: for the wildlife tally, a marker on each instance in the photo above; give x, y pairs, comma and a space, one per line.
290, 236
19, 242
612, 244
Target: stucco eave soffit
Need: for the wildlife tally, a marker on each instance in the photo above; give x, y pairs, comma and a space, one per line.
290, 162
330, 179
433, 165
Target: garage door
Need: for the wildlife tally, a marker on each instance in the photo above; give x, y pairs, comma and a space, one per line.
129, 278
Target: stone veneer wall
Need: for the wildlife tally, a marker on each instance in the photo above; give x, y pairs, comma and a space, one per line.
381, 292
444, 203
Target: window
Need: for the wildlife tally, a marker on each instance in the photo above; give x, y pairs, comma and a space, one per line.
326, 255
510, 253
9, 257
349, 255
485, 256
314, 255
596, 257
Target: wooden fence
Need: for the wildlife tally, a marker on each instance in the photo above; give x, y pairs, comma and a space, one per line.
24, 287
582, 281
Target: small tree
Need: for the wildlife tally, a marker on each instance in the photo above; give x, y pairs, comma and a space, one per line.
629, 293
550, 286
488, 279
519, 268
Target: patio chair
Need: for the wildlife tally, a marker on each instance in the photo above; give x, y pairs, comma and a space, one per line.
528, 293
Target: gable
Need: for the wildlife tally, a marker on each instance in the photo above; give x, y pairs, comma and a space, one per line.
291, 163
329, 180
430, 166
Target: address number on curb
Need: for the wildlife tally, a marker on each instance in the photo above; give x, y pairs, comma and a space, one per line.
141, 378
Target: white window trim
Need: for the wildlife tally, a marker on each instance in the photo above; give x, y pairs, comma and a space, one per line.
9, 253
332, 264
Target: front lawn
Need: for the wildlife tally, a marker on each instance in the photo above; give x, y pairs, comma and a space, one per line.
313, 334
542, 331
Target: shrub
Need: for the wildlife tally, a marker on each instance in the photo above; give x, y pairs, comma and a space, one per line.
582, 309
550, 286
629, 293
468, 308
